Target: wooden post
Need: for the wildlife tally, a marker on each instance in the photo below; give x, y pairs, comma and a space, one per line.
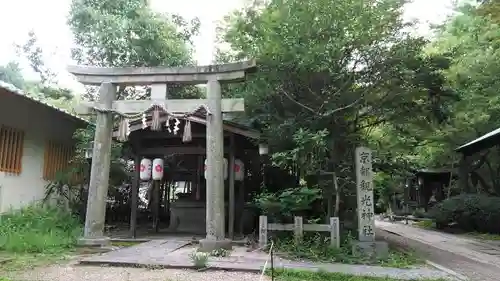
262, 231
231, 186
463, 173
155, 205
298, 228
334, 232
199, 168
241, 204
134, 197
99, 174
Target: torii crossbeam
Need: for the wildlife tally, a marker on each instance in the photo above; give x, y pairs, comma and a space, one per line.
158, 78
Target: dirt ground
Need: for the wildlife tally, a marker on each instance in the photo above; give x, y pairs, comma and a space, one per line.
72, 272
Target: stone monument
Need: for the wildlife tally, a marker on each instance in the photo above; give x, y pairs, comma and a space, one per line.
366, 214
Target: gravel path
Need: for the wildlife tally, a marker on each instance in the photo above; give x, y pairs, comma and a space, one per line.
96, 273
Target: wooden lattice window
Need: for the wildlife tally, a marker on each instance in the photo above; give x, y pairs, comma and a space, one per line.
11, 149
57, 158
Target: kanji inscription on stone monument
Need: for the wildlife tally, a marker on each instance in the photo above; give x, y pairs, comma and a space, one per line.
364, 182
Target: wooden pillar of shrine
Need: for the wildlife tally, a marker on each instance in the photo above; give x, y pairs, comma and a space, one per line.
232, 148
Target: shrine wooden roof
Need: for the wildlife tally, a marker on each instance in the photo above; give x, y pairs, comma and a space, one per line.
483, 142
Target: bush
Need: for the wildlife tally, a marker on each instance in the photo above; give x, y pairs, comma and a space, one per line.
401, 213
285, 204
316, 247
471, 212
420, 213
38, 229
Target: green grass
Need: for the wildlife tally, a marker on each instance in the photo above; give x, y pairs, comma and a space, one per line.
299, 275
36, 235
316, 248
477, 235
427, 224
123, 244
484, 236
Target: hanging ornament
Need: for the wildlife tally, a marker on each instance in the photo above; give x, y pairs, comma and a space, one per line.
144, 124
155, 119
176, 126
123, 129
167, 124
187, 137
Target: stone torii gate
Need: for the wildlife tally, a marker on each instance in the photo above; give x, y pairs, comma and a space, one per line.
158, 77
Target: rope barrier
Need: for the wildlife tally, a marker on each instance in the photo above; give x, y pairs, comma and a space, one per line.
270, 257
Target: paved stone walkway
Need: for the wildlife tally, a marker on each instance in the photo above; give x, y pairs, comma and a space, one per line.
175, 254
471, 258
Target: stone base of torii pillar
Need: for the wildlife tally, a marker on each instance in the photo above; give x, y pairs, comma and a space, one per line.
210, 245
94, 242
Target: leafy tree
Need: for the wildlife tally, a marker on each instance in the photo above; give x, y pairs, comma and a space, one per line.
129, 33
35, 56
471, 41
344, 66
11, 73
46, 87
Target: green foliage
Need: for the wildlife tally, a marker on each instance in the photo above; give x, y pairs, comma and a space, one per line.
68, 187
298, 275
220, 253
46, 88
429, 224
330, 73
38, 229
317, 248
310, 152
471, 212
129, 33
420, 213
199, 259
285, 204
11, 73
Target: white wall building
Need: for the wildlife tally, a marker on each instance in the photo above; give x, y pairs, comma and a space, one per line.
35, 142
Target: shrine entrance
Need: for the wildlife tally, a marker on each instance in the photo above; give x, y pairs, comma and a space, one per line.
129, 110
177, 197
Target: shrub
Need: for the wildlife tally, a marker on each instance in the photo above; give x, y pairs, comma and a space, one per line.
38, 229
199, 259
285, 204
420, 213
425, 224
471, 212
401, 213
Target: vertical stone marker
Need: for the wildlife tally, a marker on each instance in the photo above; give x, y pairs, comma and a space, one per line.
366, 214
364, 191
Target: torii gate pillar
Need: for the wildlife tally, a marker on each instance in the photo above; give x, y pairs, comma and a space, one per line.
215, 217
